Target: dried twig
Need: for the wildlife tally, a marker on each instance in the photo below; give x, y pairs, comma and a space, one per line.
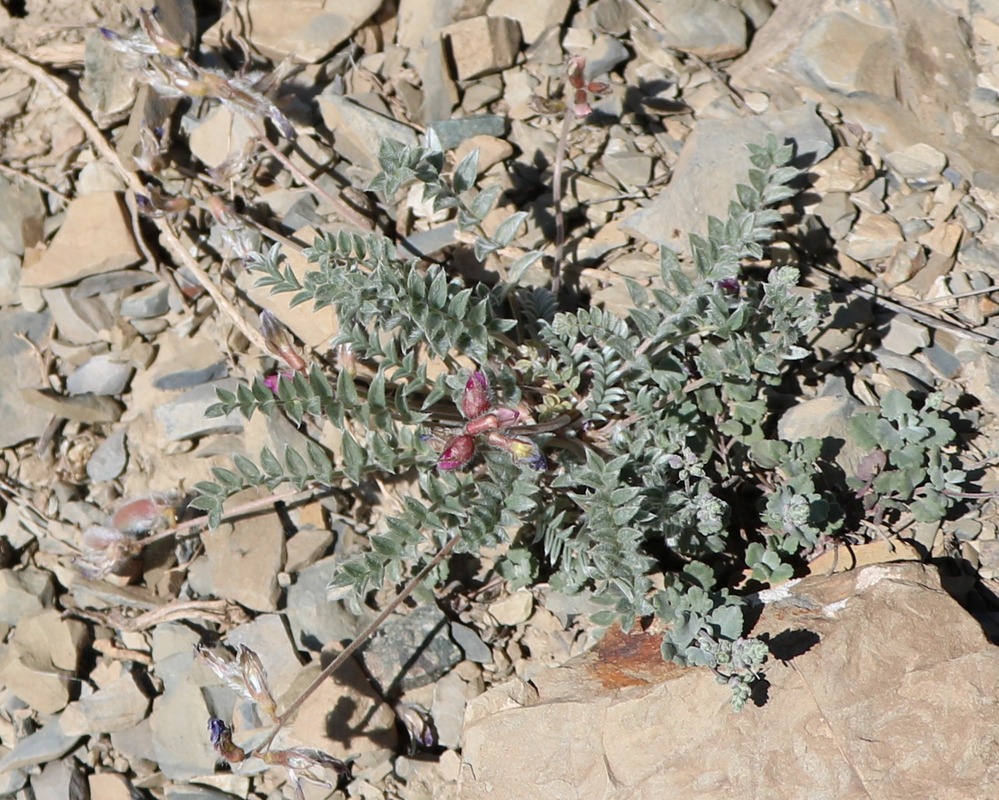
27, 177
223, 612
289, 496
347, 213
169, 238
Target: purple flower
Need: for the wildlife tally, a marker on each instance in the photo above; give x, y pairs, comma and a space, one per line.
221, 736
729, 286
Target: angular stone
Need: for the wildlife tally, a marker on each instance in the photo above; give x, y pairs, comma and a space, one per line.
109, 786
10, 278
359, 131
51, 640
109, 459
23, 218
905, 336
471, 644
173, 652
119, 706
184, 363
11, 780
108, 86
315, 620
59, 780
492, 151
43, 688
874, 236
534, 18
707, 28
482, 45
179, 726
513, 610
826, 418
858, 683
153, 301
309, 30
46, 744
21, 368
184, 418
89, 409
448, 709
452, 132
901, 71
917, 161
347, 718
102, 375
631, 170
245, 559
411, 650
837, 213
843, 170
714, 160
96, 237
306, 547
420, 21
80, 320
42, 660
604, 55
440, 94
222, 134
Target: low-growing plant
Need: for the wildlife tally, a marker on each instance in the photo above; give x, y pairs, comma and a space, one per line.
633, 456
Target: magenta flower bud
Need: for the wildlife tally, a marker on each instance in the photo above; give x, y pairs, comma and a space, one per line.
476, 400
271, 381
146, 513
457, 452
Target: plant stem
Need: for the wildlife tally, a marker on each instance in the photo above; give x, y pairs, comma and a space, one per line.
360, 639
563, 143
346, 213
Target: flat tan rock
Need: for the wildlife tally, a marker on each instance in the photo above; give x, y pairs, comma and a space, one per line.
245, 559
347, 717
96, 237
305, 29
880, 686
482, 45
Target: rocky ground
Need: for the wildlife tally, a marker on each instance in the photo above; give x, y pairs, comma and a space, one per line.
119, 321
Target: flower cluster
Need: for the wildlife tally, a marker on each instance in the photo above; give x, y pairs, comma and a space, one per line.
485, 421
581, 88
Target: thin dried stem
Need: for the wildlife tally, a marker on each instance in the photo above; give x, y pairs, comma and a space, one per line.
557, 170
347, 213
27, 177
361, 638
170, 240
289, 496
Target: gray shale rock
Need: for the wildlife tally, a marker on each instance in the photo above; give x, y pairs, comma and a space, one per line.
412, 650
901, 70
713, 161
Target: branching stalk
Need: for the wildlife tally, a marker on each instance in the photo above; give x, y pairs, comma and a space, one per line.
360, 639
